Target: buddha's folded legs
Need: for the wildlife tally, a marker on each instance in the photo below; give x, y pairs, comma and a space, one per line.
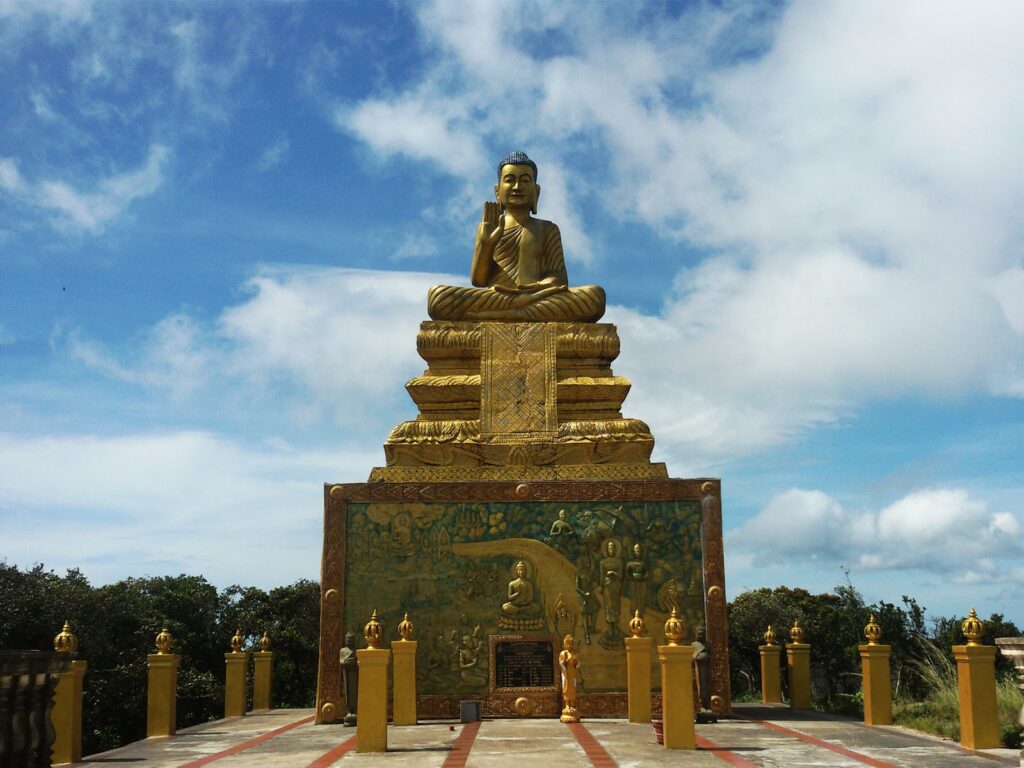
583, 304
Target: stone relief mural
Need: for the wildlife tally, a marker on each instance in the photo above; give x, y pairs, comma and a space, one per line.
467, 570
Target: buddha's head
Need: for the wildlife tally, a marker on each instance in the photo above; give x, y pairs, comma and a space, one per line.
350, 639
517, 182
561, 515
521, 569
612, 548
638, 550
567, 642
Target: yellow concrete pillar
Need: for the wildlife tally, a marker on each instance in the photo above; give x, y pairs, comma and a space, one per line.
798, 657
638, 678
976, 683
771, 657
66, 715
877, 683
262, 674
372, 721
874, 660
162, 689
677, 687
404, 688
237, 665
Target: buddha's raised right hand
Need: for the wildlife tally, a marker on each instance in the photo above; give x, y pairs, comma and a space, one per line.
492, 226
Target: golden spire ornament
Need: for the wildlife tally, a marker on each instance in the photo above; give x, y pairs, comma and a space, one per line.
972, 628
637, 625
405, 628
65, 641
796, 634
872, 631
265, 643
674, 628
372, 631
164, 641
770, 638
236, 641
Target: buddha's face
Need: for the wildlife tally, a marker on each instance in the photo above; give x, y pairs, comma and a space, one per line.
517, 188
521, 570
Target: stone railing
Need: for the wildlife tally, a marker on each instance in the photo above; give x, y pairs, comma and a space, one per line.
27, 683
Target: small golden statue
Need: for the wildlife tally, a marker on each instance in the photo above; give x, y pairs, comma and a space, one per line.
164, 642
770, 638
265, 643
518, 268
872, 631
973, 627
65, 641
522, 611
569, 662
373, 631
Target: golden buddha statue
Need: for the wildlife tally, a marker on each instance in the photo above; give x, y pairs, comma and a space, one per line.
518, 267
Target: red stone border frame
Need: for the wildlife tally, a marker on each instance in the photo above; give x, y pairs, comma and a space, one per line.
707, 491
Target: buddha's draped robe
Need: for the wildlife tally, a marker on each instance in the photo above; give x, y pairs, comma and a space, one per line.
522, 256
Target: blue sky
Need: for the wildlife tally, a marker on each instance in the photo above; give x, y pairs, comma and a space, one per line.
218, 223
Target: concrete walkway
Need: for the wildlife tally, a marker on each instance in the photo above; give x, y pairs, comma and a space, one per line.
756, 737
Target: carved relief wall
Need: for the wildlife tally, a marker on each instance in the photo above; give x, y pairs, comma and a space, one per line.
488, 561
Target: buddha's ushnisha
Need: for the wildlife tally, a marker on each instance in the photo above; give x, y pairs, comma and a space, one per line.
518, 267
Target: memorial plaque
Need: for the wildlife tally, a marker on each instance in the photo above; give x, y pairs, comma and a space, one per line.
524, 664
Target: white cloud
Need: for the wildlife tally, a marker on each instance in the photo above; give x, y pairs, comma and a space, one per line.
856, 179
11, 180
415, 245
173, 356
273, 155
938, 530
87, 211
317, 342
198, 503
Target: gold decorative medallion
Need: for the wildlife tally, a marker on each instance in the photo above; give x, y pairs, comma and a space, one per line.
164, 642
65, 641
373, 631
872, 631
637, 626
675, 631
973, 627
796, 634
405, 628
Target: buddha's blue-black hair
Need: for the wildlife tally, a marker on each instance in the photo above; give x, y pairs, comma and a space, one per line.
517, 158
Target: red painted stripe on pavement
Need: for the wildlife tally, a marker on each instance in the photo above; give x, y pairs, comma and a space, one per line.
460, 749
329, 758
597, 754
246, 744
724, 754
860, 758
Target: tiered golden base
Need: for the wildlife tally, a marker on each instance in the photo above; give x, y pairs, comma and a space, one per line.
518, 401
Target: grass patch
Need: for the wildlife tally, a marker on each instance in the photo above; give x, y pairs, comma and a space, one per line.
938, 712
1009, 703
